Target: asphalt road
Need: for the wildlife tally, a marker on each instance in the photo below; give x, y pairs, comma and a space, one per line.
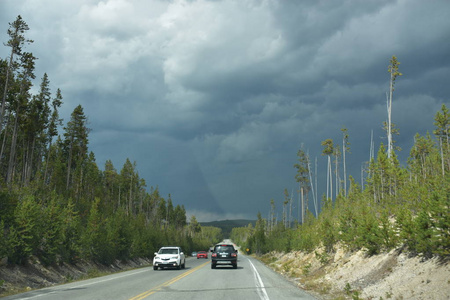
251, 280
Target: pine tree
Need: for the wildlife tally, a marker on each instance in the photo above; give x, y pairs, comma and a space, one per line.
193, 227
89, 180
170, 212
393, 70
18, 108
442, 132
328, 151
76, 142
161, 212
272, 221
111, 185
52, 235
259, 235
337, 155
128, 183
52, 129
70, 231
36, 125
345, 149
92, 240
303, 179
180, 216
17, 40
420, 159
57, 167
25, 233
286, 211
379, 170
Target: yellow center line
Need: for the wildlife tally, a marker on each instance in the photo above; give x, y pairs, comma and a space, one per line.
167, 283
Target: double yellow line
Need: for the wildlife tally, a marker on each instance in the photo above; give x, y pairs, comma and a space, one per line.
167, 283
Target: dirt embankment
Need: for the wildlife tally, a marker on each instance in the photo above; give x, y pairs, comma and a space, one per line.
33, 275
344, 275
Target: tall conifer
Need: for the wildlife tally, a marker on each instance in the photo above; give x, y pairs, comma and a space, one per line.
17, 40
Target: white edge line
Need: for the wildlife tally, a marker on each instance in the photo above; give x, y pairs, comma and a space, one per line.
260, 283
64, 286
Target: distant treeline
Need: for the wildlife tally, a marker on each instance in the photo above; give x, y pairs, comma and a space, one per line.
398, 207
227, 225
55, 203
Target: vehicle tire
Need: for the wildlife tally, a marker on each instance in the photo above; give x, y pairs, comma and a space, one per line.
213, 266
235, 266
179, 267
155, 268
183, 266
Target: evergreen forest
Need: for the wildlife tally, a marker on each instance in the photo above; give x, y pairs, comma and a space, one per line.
56, 205
396, 207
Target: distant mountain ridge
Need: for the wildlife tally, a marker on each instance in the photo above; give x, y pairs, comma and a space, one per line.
228, 225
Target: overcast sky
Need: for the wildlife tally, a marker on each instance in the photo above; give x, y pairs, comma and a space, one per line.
212, 99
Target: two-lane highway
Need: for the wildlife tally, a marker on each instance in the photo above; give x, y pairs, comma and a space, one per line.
251, 280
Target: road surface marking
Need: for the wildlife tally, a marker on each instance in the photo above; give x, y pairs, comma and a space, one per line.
77, 286
167, 283
259, 284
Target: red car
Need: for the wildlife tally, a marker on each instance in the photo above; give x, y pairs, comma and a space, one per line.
202, 254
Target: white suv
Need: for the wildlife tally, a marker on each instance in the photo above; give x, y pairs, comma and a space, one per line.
169, 257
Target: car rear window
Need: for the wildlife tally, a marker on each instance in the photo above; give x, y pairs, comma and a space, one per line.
168, 251
224, 248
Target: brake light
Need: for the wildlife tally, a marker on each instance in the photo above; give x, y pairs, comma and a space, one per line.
233, 254
214, 255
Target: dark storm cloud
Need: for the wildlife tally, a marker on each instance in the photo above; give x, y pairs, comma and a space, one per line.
212, 99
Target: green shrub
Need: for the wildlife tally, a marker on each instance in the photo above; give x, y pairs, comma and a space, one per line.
25, 233
368, 232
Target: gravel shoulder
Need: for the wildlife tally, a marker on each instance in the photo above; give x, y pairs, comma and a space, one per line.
343, 275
